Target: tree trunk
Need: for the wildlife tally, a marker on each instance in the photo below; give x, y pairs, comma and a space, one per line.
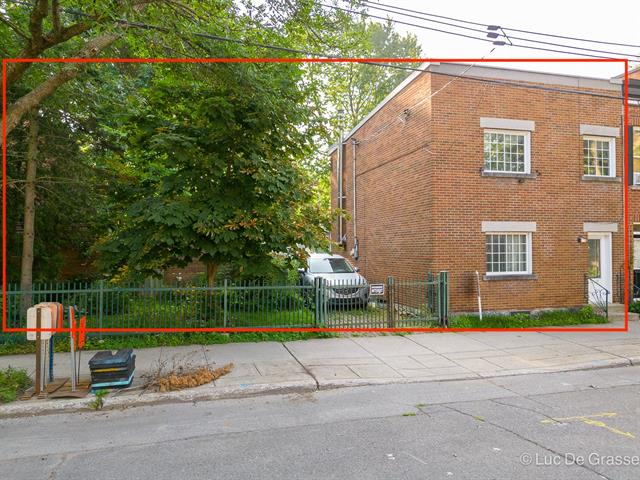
28, 236
212, 269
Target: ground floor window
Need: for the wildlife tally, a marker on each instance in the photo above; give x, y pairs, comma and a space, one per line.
508, 253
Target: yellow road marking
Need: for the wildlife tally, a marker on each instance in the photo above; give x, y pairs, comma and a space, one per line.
589, 420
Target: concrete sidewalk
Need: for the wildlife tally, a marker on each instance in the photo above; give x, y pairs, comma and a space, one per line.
310, 365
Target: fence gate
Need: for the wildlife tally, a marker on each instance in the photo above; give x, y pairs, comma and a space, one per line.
391, 303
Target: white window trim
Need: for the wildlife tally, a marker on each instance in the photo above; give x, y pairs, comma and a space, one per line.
529, 248
600, 131
527, 148
507, 124
600, 227
511, 227
612, 155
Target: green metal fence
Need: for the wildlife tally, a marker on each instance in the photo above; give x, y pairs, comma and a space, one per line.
392, 303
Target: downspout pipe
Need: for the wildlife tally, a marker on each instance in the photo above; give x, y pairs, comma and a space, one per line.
354, 253
340, 191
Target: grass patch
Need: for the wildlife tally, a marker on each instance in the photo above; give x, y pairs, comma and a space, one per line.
555, 318
19, 345
13, 381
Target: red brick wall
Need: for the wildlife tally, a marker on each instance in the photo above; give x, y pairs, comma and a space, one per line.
187, 273
394, 188
421, 198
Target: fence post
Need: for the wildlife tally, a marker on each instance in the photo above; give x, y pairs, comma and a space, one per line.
316, 293
443, 300
224, 306
100, 306
391, 302
431, 297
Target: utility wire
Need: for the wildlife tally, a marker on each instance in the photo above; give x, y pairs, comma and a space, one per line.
448, 32
366, 62
578, 39
407, 110
421, 16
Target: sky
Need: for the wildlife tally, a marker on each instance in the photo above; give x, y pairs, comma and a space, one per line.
616, 21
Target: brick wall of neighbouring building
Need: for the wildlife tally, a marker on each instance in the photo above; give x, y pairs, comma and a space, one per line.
421, 197
192, 271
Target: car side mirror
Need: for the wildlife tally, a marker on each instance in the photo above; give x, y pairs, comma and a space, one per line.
357, 269
301, 271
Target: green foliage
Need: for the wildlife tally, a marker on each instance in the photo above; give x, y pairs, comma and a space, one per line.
98, 402
553, 318
156, 165
218, 173
12, 382
634, 306
358, 88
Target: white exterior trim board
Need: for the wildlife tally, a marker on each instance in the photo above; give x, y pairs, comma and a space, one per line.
599, 130
600, 227
508, 227
507, 124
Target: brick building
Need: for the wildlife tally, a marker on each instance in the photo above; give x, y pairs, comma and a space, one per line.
515, 174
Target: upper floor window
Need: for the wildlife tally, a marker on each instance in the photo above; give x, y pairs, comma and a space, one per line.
507, 151
599, 156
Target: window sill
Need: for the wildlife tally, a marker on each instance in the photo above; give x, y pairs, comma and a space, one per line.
634, 187
530, 176
596, 178
526, 276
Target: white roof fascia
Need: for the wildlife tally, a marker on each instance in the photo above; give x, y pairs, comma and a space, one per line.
503, 73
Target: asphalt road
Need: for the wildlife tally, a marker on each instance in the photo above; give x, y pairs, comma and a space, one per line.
547, 426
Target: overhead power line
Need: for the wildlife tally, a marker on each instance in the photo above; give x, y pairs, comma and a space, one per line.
372, 62
458, 34
469, 22
423, 16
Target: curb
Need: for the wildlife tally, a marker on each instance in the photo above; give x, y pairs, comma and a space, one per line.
213, 392
121, 402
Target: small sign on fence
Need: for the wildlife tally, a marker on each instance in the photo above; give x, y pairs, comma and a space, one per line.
376, 289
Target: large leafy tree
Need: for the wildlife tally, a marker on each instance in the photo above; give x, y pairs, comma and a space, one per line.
103, 168
217, 158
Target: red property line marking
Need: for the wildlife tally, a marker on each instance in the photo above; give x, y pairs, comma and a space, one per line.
625, 209
313, 329
310, 60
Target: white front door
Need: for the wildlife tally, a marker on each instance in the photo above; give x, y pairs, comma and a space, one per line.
599, 268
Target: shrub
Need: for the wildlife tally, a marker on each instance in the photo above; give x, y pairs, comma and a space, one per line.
634, 306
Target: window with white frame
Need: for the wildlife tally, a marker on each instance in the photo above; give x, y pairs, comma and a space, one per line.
508, 253
599, 156
507, 151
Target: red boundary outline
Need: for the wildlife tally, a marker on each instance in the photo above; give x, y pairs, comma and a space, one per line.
5, 61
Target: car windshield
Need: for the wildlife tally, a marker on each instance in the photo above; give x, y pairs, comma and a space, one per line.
329, 265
